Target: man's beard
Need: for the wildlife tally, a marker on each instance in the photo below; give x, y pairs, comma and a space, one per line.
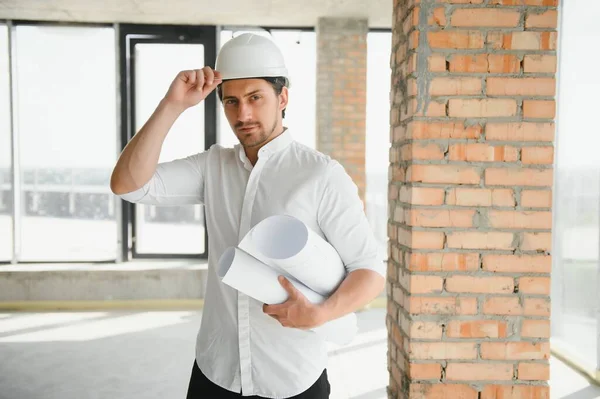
263, 136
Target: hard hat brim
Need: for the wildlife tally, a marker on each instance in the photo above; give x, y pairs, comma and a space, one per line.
288, 82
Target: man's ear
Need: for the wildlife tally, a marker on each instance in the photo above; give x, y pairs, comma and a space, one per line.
283, 99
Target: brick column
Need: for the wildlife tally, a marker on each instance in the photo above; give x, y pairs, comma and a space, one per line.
342, 93
470, 198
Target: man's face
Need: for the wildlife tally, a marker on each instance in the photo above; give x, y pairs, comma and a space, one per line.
253, 109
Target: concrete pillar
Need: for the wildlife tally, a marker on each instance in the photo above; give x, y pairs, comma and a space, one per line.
472, 130
342, 93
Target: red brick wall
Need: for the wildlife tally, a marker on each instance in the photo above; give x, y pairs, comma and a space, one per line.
470, 195
342, 93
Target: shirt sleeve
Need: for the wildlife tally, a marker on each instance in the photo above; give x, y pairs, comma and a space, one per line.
179, 182
342, 219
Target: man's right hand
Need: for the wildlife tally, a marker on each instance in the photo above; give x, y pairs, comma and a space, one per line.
139, 159
191, 87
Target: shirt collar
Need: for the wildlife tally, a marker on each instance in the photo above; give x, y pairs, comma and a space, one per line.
277, 144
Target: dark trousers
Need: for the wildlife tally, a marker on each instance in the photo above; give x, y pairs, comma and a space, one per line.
201, 387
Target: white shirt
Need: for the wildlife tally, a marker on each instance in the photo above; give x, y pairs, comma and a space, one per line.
239, 347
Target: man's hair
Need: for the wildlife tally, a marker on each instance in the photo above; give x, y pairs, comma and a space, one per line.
278, 83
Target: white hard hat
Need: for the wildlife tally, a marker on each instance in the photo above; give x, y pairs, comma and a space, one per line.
251, 56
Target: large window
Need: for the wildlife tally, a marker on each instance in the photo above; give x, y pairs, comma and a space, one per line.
576, 242
169, 229
6, 193
63, 119
300, 52
65, 86
151, 56
66, 124
379, 48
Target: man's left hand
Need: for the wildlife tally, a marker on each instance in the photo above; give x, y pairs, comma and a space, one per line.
297, 311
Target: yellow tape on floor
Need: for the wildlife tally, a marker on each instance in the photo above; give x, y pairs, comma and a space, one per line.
593, 376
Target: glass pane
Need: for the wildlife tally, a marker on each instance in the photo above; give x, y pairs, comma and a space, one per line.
379, 48
169, 230
68, 142
300, 52
577, 192
6, 194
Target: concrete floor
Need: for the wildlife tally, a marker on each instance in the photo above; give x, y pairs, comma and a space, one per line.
148, 355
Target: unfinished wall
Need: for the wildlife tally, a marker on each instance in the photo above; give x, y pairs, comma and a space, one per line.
470, 198
342, 93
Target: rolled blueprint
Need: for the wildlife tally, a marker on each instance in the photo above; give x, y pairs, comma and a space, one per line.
247, 274
252, 277
286, 243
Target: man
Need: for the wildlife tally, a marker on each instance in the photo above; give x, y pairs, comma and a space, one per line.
245, 348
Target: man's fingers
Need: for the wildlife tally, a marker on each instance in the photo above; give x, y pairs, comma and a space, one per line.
271, 309
289, 287
204, 79
200, 80
188, 77
277, 312
282, 320
208, 76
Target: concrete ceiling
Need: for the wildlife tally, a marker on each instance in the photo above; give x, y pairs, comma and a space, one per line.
298, 13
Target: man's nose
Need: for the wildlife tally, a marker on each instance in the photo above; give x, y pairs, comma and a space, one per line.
244, 113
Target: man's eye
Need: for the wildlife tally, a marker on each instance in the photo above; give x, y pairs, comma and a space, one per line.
255, 97
229, 102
